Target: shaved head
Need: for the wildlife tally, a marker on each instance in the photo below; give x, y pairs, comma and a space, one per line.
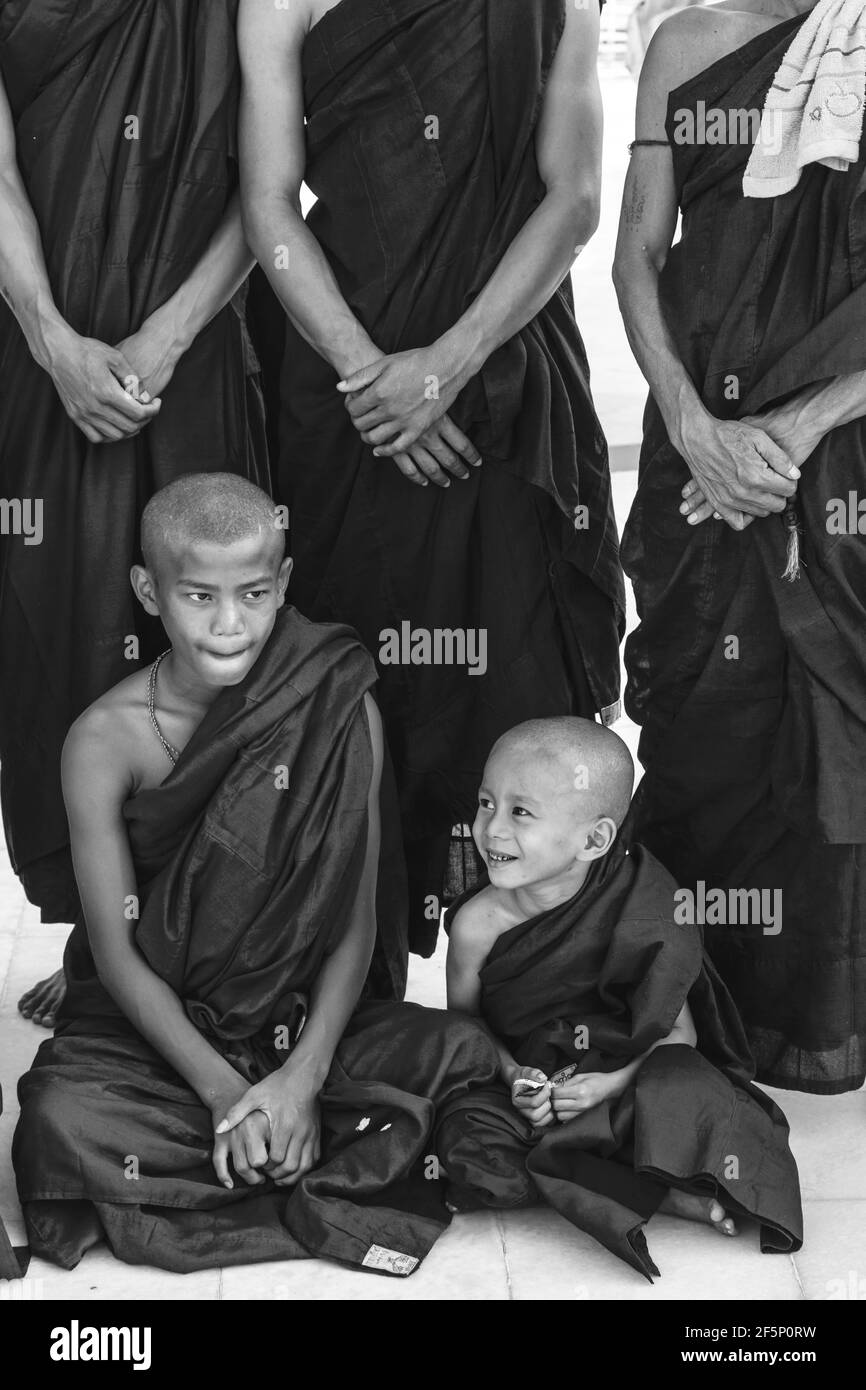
209, 508
593, 760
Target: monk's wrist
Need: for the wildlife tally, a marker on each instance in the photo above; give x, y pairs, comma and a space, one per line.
49, 336
465, 350
307, 1070
686, 422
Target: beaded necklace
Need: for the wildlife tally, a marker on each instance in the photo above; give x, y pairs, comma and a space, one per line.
170, 749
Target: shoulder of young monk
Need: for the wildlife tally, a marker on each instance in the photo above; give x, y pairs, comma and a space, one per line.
482, 915
108, 722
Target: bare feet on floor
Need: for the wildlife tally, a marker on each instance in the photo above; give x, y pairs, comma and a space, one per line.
705, 1209
42, 1001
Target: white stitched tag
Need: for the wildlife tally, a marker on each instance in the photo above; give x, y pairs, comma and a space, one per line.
378, 1257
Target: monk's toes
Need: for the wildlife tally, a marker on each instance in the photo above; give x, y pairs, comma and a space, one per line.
724, 1224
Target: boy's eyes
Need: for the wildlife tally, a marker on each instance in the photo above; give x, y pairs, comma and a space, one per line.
487, 805
251, 593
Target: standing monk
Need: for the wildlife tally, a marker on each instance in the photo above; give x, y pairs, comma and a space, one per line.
446, 474
747, 670
121, 249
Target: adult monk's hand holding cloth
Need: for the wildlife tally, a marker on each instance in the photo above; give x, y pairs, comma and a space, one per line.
742, 469
399, 405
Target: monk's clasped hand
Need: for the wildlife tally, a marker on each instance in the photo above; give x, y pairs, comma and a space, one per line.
90, 378
738, 472
395, 399
290, 1106
246, 1145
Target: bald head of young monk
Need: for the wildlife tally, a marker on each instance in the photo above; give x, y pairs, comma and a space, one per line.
553, 796
215, 571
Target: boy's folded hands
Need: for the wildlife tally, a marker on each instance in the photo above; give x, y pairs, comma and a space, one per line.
530, 1094
542, 1100
273, 1131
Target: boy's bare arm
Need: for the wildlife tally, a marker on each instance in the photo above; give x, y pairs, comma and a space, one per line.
289, 1096
336, 991
96, 780
585, 1090
468, 947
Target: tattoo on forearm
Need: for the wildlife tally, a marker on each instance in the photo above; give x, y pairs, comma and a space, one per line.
634, 207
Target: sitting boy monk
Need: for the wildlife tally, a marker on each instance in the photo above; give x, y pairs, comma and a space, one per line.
625, 1078
212, 1094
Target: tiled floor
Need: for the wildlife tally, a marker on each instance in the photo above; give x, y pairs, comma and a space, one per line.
522, 1255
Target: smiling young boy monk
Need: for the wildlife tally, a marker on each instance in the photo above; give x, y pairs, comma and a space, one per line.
225, 820
625, 1084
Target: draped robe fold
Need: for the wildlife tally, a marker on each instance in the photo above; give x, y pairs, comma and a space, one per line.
593, 983
125, 117
421, 125
751, 690
248, 860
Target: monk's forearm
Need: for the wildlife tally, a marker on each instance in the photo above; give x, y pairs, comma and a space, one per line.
333, 999
303, 281
23, 274
156, 1012
826, 405
651, 341
530, 272
224, 266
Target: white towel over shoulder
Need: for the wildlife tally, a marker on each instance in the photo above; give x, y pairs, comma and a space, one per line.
813, 113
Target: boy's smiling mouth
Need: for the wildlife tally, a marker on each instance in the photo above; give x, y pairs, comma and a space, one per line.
496, 858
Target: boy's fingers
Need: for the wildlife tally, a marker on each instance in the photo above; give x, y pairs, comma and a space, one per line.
220, 1156
238, 1112
257, 1153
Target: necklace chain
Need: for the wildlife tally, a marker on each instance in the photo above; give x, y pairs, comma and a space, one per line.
151, 692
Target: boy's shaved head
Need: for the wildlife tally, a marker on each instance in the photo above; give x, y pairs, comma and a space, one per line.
213, 508
594, 759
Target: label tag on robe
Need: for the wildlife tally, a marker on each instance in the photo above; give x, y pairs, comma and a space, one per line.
610, 714
378, 1257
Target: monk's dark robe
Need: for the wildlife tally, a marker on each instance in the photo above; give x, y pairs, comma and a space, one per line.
592, 984
249, 860
125, 117
420, 149
750, 689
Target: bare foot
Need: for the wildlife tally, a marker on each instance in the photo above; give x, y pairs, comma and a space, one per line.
42, 1001
705, 1209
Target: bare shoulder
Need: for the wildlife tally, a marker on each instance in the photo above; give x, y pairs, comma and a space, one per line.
102, 743
691, 39
479, 922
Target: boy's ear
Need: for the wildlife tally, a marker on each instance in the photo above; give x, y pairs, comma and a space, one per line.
144, 588
598, 839
283, 578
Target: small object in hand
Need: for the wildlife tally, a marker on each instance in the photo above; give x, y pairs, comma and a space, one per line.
564, 1074
524, 1086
